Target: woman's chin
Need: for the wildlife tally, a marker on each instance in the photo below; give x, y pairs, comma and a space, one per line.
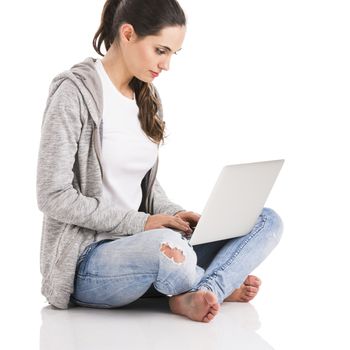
145, 78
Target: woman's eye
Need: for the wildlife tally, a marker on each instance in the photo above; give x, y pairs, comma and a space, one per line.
160, 52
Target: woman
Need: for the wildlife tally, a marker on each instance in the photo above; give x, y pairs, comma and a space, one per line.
110, 234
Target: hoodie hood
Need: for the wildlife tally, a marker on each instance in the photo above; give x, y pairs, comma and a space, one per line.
85, 77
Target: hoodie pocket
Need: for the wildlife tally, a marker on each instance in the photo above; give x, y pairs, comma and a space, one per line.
66, 242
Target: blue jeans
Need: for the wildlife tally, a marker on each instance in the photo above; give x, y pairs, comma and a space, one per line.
113, 273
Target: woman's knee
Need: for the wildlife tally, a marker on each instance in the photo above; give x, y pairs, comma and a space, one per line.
176, 247
172, 245
178, 261
275, 222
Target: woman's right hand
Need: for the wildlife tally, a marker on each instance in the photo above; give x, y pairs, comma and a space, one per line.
164, 220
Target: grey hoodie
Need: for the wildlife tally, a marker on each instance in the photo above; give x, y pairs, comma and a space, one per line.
69, 182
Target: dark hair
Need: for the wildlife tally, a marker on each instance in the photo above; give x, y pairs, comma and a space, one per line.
148, 17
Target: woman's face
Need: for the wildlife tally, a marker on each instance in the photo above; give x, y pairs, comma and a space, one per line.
147, 57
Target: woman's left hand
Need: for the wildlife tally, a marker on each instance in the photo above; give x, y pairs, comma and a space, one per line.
190, 217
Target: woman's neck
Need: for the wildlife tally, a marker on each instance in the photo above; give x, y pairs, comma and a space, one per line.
116, 70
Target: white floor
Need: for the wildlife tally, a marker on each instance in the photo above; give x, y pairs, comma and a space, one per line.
149, 325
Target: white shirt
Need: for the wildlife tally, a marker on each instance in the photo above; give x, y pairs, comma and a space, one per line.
127, 153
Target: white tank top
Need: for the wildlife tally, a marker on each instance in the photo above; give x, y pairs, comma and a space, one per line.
127, 153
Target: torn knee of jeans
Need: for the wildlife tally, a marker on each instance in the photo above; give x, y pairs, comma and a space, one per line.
173, 253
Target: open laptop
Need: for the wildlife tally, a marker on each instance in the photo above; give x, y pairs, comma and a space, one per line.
236, 201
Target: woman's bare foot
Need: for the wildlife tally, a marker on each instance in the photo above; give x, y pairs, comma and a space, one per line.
247, 291
201, 305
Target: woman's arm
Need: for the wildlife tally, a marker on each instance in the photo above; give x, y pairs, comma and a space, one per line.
56, 196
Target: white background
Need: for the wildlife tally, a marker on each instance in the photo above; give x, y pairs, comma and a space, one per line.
256, 80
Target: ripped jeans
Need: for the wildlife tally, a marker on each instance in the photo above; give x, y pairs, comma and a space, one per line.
160, 262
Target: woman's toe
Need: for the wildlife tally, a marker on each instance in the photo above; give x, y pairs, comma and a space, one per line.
252, 281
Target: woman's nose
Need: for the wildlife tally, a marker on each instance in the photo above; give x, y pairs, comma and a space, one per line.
165, 65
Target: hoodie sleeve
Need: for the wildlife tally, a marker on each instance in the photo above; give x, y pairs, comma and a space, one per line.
56, 196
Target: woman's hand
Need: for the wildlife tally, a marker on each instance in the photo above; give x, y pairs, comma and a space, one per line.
190, 217
171, 221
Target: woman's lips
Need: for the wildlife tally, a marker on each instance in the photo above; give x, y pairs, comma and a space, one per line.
154, 74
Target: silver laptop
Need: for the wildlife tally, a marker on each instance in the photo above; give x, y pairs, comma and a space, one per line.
236, 201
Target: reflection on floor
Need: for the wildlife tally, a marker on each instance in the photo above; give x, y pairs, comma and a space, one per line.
149, 324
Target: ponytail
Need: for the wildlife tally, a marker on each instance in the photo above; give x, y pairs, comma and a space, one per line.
106, 33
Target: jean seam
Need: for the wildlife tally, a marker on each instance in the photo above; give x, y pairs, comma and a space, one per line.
83, 303
82, 276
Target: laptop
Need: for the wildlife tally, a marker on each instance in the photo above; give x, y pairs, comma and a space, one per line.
236, 201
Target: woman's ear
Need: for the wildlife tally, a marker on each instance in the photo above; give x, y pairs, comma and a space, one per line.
127, 33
